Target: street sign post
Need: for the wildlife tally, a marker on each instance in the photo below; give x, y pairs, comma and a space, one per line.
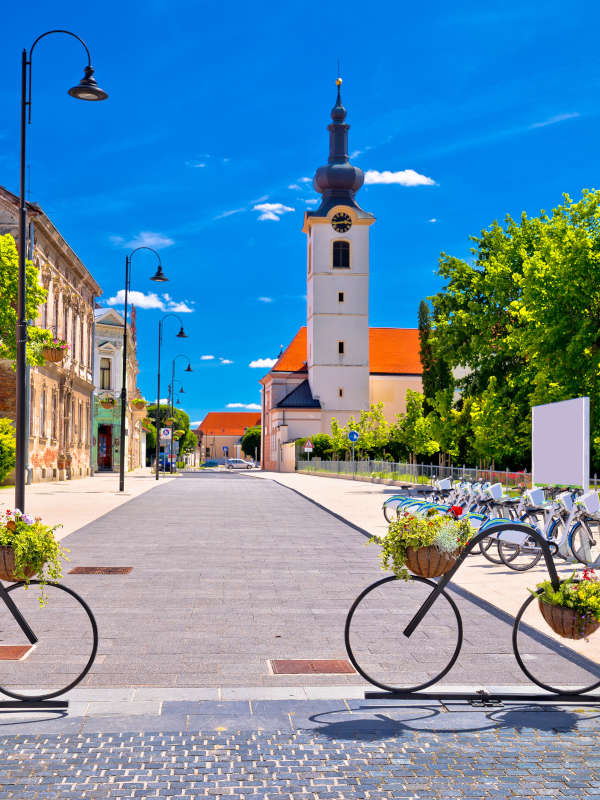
166, 433
308, 447
353, 436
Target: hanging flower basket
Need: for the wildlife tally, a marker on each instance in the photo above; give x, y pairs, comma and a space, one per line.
28, 548
147, 425
56, 350
171, 421
138, 404
107, 401
572, 610
567, 622
425, 546
178, 434
429, 562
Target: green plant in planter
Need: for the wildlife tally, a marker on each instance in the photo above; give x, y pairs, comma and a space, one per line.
34, 546
178, 434
138, 402
445, 533
582, 594
107, 400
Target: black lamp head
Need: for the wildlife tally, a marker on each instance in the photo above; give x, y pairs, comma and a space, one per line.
182, 334
87, 88
159, 276
181, 390
178, 403
188, 368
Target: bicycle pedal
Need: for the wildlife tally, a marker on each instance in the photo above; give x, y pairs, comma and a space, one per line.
486, 700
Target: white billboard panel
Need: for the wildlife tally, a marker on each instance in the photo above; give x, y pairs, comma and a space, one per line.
560, 443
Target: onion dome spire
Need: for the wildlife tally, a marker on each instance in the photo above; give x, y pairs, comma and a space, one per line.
339, 180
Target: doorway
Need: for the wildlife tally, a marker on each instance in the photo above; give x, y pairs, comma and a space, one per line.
105, 447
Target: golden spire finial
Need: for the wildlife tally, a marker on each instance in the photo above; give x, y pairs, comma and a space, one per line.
338, 81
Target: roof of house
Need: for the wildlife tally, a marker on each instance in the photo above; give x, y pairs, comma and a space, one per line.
300, 397
228, 423
392, 351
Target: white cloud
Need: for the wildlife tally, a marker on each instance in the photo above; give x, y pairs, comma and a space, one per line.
151, 300
263, 363
305, 180
272, 211
226, 361
555, 119
312, 202
249, 406
265, 299
295, 186
230, 213
433, 219
206, 358
148, 239
405, 177
196, 423
195, 164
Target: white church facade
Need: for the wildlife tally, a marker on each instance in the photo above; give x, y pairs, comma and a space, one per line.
336, 365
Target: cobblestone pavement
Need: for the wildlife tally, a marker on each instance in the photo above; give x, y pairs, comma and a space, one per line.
314, 751
230, 572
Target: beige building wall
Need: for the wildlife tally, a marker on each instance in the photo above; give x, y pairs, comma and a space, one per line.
391, 391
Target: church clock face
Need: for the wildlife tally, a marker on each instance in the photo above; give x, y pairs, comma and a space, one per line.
341, 222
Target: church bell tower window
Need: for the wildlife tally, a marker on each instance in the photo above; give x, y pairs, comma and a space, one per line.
341, 254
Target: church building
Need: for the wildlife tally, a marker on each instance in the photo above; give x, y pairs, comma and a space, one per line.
336, 365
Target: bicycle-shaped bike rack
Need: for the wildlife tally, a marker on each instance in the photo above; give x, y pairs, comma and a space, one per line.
512, 531
64, 605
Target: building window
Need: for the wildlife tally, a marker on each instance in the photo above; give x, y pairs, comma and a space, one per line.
105, 373
341, 254
340, 392
341, 348
80, 422
81, 341
43, 413
340, 297
74, 332
56, 331
309, 259
54, 414
45, 315
89, 350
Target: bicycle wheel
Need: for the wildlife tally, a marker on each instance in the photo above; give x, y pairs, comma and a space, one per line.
487, 548
376, 643
66, 648
550, 657
390, 513
519, 557
584, 542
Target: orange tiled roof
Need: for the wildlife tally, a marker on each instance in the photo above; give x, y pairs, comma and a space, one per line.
392, 351
228, 423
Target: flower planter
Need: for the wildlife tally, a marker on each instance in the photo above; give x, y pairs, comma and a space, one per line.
138, 406
7, 566
429, 562
567, 622
54, 354
107, 404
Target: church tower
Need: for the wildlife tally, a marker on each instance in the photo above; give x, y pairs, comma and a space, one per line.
338, 282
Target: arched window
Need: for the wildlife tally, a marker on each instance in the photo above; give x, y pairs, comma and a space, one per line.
341, 254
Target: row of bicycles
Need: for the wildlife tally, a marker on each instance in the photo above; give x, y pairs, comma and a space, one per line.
568, 519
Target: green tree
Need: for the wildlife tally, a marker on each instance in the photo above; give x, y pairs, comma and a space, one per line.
339, 439
251, 441
35, 296
188, 442
436, 376
415, 428
525, 312
8, 448
373, 431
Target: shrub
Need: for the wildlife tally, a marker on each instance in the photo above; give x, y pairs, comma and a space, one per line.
8, 449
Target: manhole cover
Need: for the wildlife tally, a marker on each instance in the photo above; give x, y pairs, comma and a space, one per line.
311, 666
14, 652
100, 570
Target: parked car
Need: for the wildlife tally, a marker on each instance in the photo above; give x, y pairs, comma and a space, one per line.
239, 463
210, 463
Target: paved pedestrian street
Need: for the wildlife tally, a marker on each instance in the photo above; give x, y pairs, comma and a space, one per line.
227, 573
314, 750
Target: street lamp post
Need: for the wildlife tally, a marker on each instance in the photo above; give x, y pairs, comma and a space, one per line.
181, 335
187, 369
87, 89
159, 278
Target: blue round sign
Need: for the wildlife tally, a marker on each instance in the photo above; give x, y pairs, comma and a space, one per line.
353, 436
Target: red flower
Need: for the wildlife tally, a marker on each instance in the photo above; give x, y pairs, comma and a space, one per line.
456, 510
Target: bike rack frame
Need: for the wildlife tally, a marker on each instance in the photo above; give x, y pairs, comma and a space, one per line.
478, 698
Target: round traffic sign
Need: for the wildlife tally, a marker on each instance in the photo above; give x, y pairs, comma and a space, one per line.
353, 436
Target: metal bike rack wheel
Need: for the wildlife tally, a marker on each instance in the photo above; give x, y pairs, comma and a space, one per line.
384, 686
531, 677
81, 676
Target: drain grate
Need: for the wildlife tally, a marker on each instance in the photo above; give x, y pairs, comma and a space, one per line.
100, 570
14, 652
311, 666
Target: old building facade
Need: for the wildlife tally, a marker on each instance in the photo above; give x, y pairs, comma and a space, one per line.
60, 394
108, 371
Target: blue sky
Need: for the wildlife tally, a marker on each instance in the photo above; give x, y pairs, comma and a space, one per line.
217, 108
